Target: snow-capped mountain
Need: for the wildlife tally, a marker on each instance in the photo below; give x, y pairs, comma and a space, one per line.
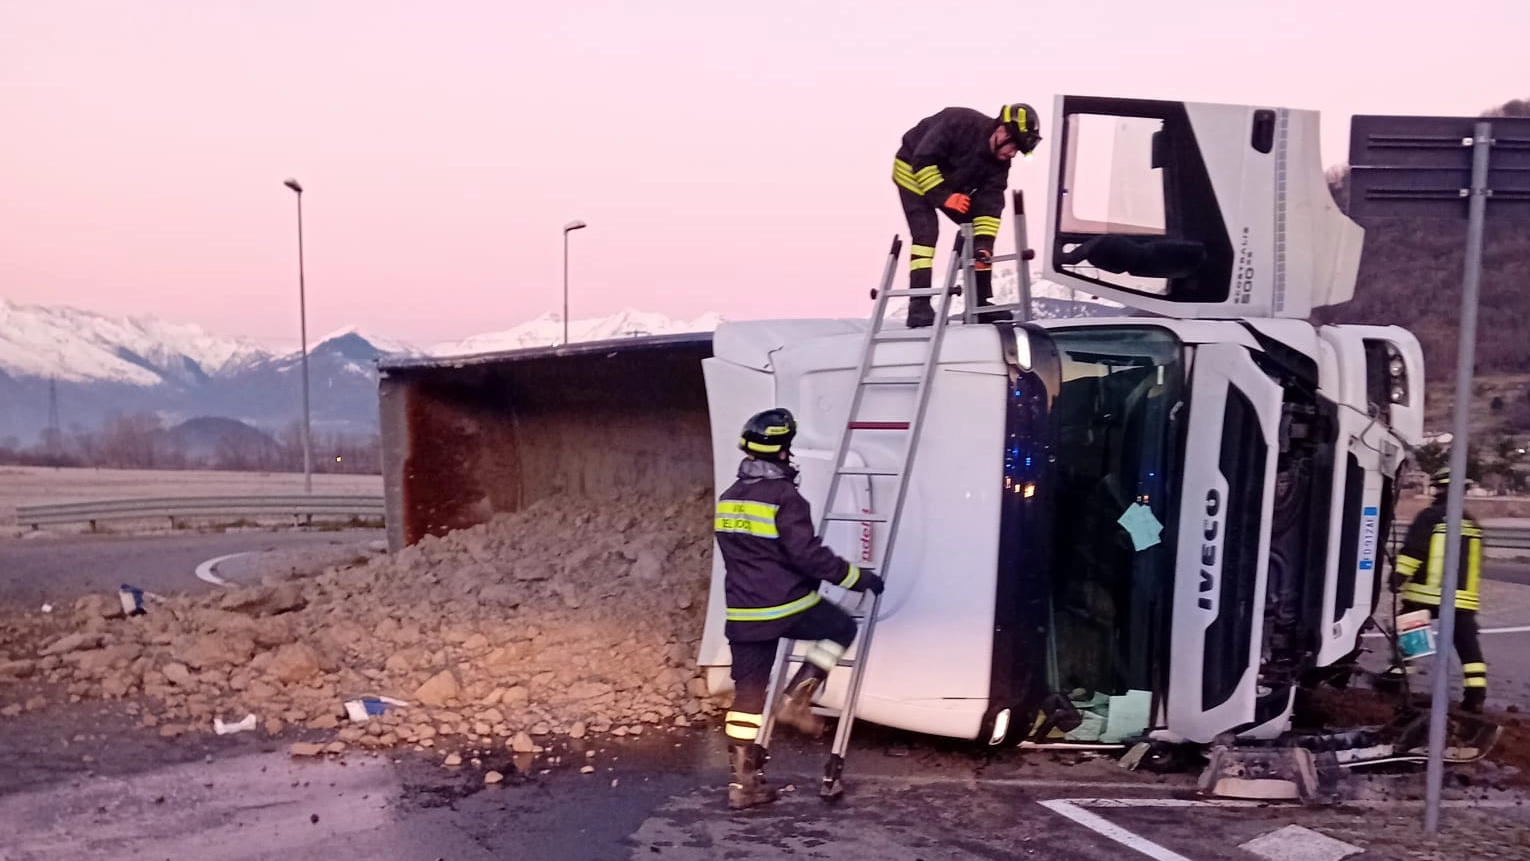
77, 346
89, 365
547, 330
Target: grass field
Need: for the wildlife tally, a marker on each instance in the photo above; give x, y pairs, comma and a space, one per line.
33, 485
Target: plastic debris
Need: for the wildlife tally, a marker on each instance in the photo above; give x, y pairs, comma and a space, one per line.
360, 710
47, 608
245, 725
132, 600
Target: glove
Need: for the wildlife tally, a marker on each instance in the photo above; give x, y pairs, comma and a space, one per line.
872, 583
958, 203
982, 260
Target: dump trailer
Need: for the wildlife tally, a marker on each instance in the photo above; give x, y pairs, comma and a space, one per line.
1159, 522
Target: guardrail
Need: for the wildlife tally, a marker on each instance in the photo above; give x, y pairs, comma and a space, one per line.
1494, 537
177, 508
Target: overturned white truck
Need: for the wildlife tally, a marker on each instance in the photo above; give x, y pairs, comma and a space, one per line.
1167, 518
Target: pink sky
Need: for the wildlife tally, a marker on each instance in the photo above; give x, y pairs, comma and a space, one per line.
728, 157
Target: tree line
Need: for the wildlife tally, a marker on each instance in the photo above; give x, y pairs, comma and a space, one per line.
141, 440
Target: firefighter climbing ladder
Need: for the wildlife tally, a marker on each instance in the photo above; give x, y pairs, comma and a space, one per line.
961, 269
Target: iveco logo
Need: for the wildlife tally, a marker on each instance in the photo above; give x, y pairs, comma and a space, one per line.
1211, 536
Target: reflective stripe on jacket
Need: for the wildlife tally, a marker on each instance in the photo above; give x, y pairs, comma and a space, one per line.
772, 554
1421, 562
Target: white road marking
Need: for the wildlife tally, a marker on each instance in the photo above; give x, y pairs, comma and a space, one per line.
1098, 824
1231, 802
1299, 843
1073, 808
205, 570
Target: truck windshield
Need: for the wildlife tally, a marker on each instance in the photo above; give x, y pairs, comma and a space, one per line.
1117, 455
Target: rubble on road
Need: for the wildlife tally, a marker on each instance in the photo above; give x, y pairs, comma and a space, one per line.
574, 616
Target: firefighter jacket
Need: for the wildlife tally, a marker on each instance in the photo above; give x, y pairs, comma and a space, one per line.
772, 553
947, 153
1421, 562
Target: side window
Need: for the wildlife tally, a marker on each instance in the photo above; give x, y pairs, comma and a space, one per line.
1111, 188
1136, 208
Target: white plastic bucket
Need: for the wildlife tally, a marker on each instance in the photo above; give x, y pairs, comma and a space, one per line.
1415, 639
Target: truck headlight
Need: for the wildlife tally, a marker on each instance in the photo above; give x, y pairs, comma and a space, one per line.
1022, 349
1397, 371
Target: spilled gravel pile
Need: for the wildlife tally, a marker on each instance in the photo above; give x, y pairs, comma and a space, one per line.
571, 617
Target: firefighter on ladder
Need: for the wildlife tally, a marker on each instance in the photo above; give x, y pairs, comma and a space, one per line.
956, 161
1421, 567
774, 563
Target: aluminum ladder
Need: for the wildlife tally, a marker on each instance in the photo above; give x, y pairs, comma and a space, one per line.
1019, 310
877, 335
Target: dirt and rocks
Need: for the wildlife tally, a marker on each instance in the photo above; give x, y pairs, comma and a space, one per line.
573, 617
1506, 764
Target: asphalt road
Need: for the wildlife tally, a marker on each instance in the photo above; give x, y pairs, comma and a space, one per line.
59, 569
84, 782
118, 792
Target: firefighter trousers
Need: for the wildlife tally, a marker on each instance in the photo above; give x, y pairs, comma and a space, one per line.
924, 232
753, 661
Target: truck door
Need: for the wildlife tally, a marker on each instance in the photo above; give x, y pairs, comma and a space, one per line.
1223, 548
1195, 210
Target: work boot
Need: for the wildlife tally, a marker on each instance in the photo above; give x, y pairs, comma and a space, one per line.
920, 312
796, 710
983, 286
747, 787
1473, 699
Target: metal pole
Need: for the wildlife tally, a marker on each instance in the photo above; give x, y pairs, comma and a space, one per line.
1482, 143
565, 287
303, 335
576, 224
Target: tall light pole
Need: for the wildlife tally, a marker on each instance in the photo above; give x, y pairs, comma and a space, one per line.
303, 334
572, 225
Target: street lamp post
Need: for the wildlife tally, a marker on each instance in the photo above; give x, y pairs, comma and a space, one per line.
303, 334
572, 225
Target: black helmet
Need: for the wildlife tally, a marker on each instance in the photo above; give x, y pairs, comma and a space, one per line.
1023, 125
769, 432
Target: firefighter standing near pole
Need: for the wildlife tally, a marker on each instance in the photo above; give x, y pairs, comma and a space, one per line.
957, 161
1421, 567
774, 563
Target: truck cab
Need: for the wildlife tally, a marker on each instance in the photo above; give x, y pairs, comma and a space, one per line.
1165, 518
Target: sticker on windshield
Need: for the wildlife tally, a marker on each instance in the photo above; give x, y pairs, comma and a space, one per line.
1141, 525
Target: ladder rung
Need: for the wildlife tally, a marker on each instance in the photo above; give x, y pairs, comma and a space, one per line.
847, 663
1027, 254
927, 291
891, 381
879, 425
854, 517
867, 470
